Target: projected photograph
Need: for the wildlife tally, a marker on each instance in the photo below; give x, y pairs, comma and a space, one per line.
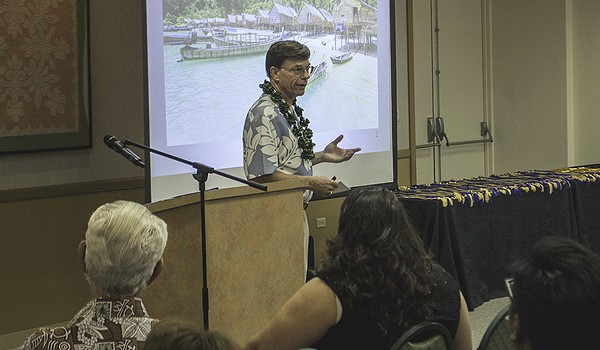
214, 52
206, 59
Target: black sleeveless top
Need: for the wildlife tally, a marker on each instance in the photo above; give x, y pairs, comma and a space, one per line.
351, 331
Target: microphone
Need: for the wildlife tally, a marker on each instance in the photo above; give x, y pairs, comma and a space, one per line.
120, 148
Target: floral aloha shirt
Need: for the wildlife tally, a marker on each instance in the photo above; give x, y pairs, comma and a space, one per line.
103, 324
269, 144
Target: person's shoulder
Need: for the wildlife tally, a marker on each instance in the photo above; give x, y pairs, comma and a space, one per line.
317, 299
443, 277
318, 284
45, 337
264, 107
316, 289
437, 269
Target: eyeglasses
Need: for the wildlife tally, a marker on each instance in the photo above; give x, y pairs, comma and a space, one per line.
509, 283
298, 70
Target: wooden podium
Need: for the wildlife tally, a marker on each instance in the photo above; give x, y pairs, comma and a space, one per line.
255, 257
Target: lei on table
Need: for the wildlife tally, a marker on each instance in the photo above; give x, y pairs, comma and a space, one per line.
300, 128
483, 189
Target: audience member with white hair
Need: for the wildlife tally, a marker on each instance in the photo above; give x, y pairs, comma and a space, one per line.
121, 255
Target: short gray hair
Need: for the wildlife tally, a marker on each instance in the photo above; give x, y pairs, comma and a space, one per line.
124, 242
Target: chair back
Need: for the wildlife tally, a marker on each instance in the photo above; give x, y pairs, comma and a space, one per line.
424, 336
497, 335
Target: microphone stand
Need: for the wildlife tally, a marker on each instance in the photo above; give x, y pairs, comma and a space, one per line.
201, 176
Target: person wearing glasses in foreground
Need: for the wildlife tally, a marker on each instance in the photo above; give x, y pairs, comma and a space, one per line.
555, 297
375, 282
277, 138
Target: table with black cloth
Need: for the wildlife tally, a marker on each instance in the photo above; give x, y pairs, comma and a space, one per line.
475, 228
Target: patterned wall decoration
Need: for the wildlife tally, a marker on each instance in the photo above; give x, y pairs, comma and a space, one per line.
44, 75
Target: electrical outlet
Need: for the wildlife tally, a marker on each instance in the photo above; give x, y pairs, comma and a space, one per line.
321, 222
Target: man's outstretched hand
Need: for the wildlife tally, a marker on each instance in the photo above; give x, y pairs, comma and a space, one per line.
333, 153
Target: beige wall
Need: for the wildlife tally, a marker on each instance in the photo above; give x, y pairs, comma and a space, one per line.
117, 106
540, 83
42, 279
46, 197
586, 82
529, 84
330, 210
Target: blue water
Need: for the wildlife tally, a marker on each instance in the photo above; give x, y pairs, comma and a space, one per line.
207, 100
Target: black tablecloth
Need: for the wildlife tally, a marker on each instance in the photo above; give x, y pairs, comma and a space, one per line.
586, 201
475, 228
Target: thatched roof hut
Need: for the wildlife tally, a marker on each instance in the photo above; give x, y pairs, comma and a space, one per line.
283, 16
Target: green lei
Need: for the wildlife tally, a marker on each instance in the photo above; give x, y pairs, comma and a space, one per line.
300, 129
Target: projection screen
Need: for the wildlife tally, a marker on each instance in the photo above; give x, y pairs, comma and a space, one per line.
205, 60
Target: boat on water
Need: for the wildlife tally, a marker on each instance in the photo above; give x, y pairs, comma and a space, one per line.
227, 48
342, 57
187, 38
318, 72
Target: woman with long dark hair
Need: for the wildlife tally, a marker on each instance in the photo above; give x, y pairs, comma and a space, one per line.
376, 281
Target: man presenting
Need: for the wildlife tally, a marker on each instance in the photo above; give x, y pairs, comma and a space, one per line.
277, 139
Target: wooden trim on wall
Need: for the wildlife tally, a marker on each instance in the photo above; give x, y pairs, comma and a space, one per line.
411, 93
71, 189
403, 153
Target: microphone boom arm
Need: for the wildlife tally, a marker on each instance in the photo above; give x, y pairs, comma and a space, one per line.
201, 176
201, 168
